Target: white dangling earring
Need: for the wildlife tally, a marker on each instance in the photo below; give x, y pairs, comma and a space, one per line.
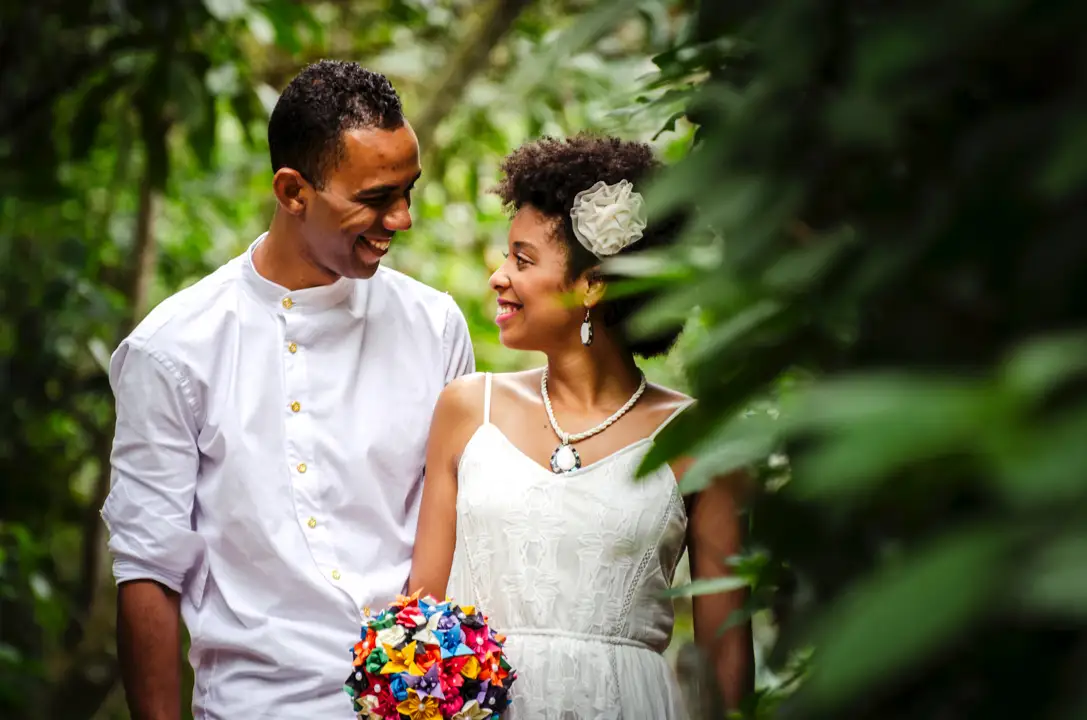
587, 330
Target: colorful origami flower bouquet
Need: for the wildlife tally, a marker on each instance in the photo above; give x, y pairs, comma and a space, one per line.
422, 659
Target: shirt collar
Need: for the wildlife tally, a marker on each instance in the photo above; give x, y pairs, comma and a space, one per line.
284, 300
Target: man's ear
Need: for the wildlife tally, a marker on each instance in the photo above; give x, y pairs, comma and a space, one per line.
293, 192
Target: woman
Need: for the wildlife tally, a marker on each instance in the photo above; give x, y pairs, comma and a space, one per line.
550, 533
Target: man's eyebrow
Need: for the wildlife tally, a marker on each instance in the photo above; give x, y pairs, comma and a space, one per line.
384, 189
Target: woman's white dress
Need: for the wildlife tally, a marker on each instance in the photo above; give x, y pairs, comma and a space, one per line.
571, 569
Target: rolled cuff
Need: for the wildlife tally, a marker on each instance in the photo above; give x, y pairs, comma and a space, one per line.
147, 546
128, 569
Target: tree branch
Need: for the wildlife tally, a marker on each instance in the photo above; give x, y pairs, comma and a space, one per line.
469, 59
141, 275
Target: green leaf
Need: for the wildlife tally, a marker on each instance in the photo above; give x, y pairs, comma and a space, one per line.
581, 33
1066, 170
707, 586
860, 400
743, 441
202, 135
1054, 581
748, 321
669, 124
872, 426
92, 109
1039, 462
892, 620
1037, 367
226, 9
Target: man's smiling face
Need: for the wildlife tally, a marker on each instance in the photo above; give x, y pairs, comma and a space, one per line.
366, 198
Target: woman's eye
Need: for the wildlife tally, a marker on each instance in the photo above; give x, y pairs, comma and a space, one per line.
521, 262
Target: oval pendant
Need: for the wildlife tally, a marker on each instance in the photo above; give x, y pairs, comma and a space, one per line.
565, 459
586, 333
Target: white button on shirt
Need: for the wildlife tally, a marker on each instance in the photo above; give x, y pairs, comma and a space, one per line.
268, 464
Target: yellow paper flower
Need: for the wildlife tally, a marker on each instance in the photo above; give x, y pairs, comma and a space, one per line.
402, 660
419, 709
471, 668
472, 711
368, 708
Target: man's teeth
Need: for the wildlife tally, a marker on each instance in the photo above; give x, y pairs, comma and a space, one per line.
378, 244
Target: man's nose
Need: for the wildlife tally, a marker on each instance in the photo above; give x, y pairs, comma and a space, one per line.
399, 217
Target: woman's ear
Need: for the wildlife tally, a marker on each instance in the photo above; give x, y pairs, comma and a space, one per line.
595, 287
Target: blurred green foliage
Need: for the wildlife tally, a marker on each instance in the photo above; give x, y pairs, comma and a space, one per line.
896, 343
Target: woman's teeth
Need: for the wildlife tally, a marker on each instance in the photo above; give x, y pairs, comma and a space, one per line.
504, 310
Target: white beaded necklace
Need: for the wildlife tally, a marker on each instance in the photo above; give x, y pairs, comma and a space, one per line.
565, 459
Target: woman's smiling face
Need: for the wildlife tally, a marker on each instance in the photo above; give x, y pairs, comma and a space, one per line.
535, 310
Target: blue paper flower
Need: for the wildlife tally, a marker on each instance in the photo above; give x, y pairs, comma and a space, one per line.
399, 688
452, 643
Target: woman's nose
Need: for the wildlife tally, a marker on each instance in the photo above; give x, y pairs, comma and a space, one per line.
499, 280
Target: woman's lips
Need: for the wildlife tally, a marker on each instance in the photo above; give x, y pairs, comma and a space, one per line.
506, 311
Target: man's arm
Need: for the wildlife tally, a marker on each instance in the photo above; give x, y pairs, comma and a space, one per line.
149, 516
149, 649
460, 359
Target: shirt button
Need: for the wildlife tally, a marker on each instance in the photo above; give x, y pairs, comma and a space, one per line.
312, 522
288, 303
293, 347
301, 467
335, 574
296, 406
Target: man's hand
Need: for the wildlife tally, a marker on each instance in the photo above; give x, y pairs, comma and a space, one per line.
149, 648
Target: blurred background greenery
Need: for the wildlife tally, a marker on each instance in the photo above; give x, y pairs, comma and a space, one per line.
883, 296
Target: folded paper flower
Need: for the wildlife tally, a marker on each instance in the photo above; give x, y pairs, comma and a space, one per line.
420, 659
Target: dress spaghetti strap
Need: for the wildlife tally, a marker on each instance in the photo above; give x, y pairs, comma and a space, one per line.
671, 417
487, 399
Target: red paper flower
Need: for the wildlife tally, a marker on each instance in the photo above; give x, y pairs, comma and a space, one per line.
479, 640
410, 616
377, 699
451, 682
451, 705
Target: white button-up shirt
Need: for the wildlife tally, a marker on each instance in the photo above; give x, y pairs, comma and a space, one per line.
268, 464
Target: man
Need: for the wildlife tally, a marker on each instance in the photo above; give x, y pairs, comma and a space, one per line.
271, 424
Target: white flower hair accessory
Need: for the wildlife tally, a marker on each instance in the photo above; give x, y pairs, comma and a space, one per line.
608, 218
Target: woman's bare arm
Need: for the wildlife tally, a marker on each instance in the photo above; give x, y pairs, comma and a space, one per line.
457, 415
715, 534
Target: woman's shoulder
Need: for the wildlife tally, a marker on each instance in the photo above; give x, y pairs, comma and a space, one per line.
461, 396
519, 382
465, 396
667, 401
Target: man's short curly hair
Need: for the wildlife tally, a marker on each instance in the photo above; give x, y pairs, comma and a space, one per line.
546, 174
326, 99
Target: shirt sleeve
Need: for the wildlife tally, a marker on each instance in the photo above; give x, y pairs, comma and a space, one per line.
460, 359
148, 511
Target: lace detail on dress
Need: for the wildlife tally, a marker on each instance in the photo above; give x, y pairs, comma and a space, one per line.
571, 568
